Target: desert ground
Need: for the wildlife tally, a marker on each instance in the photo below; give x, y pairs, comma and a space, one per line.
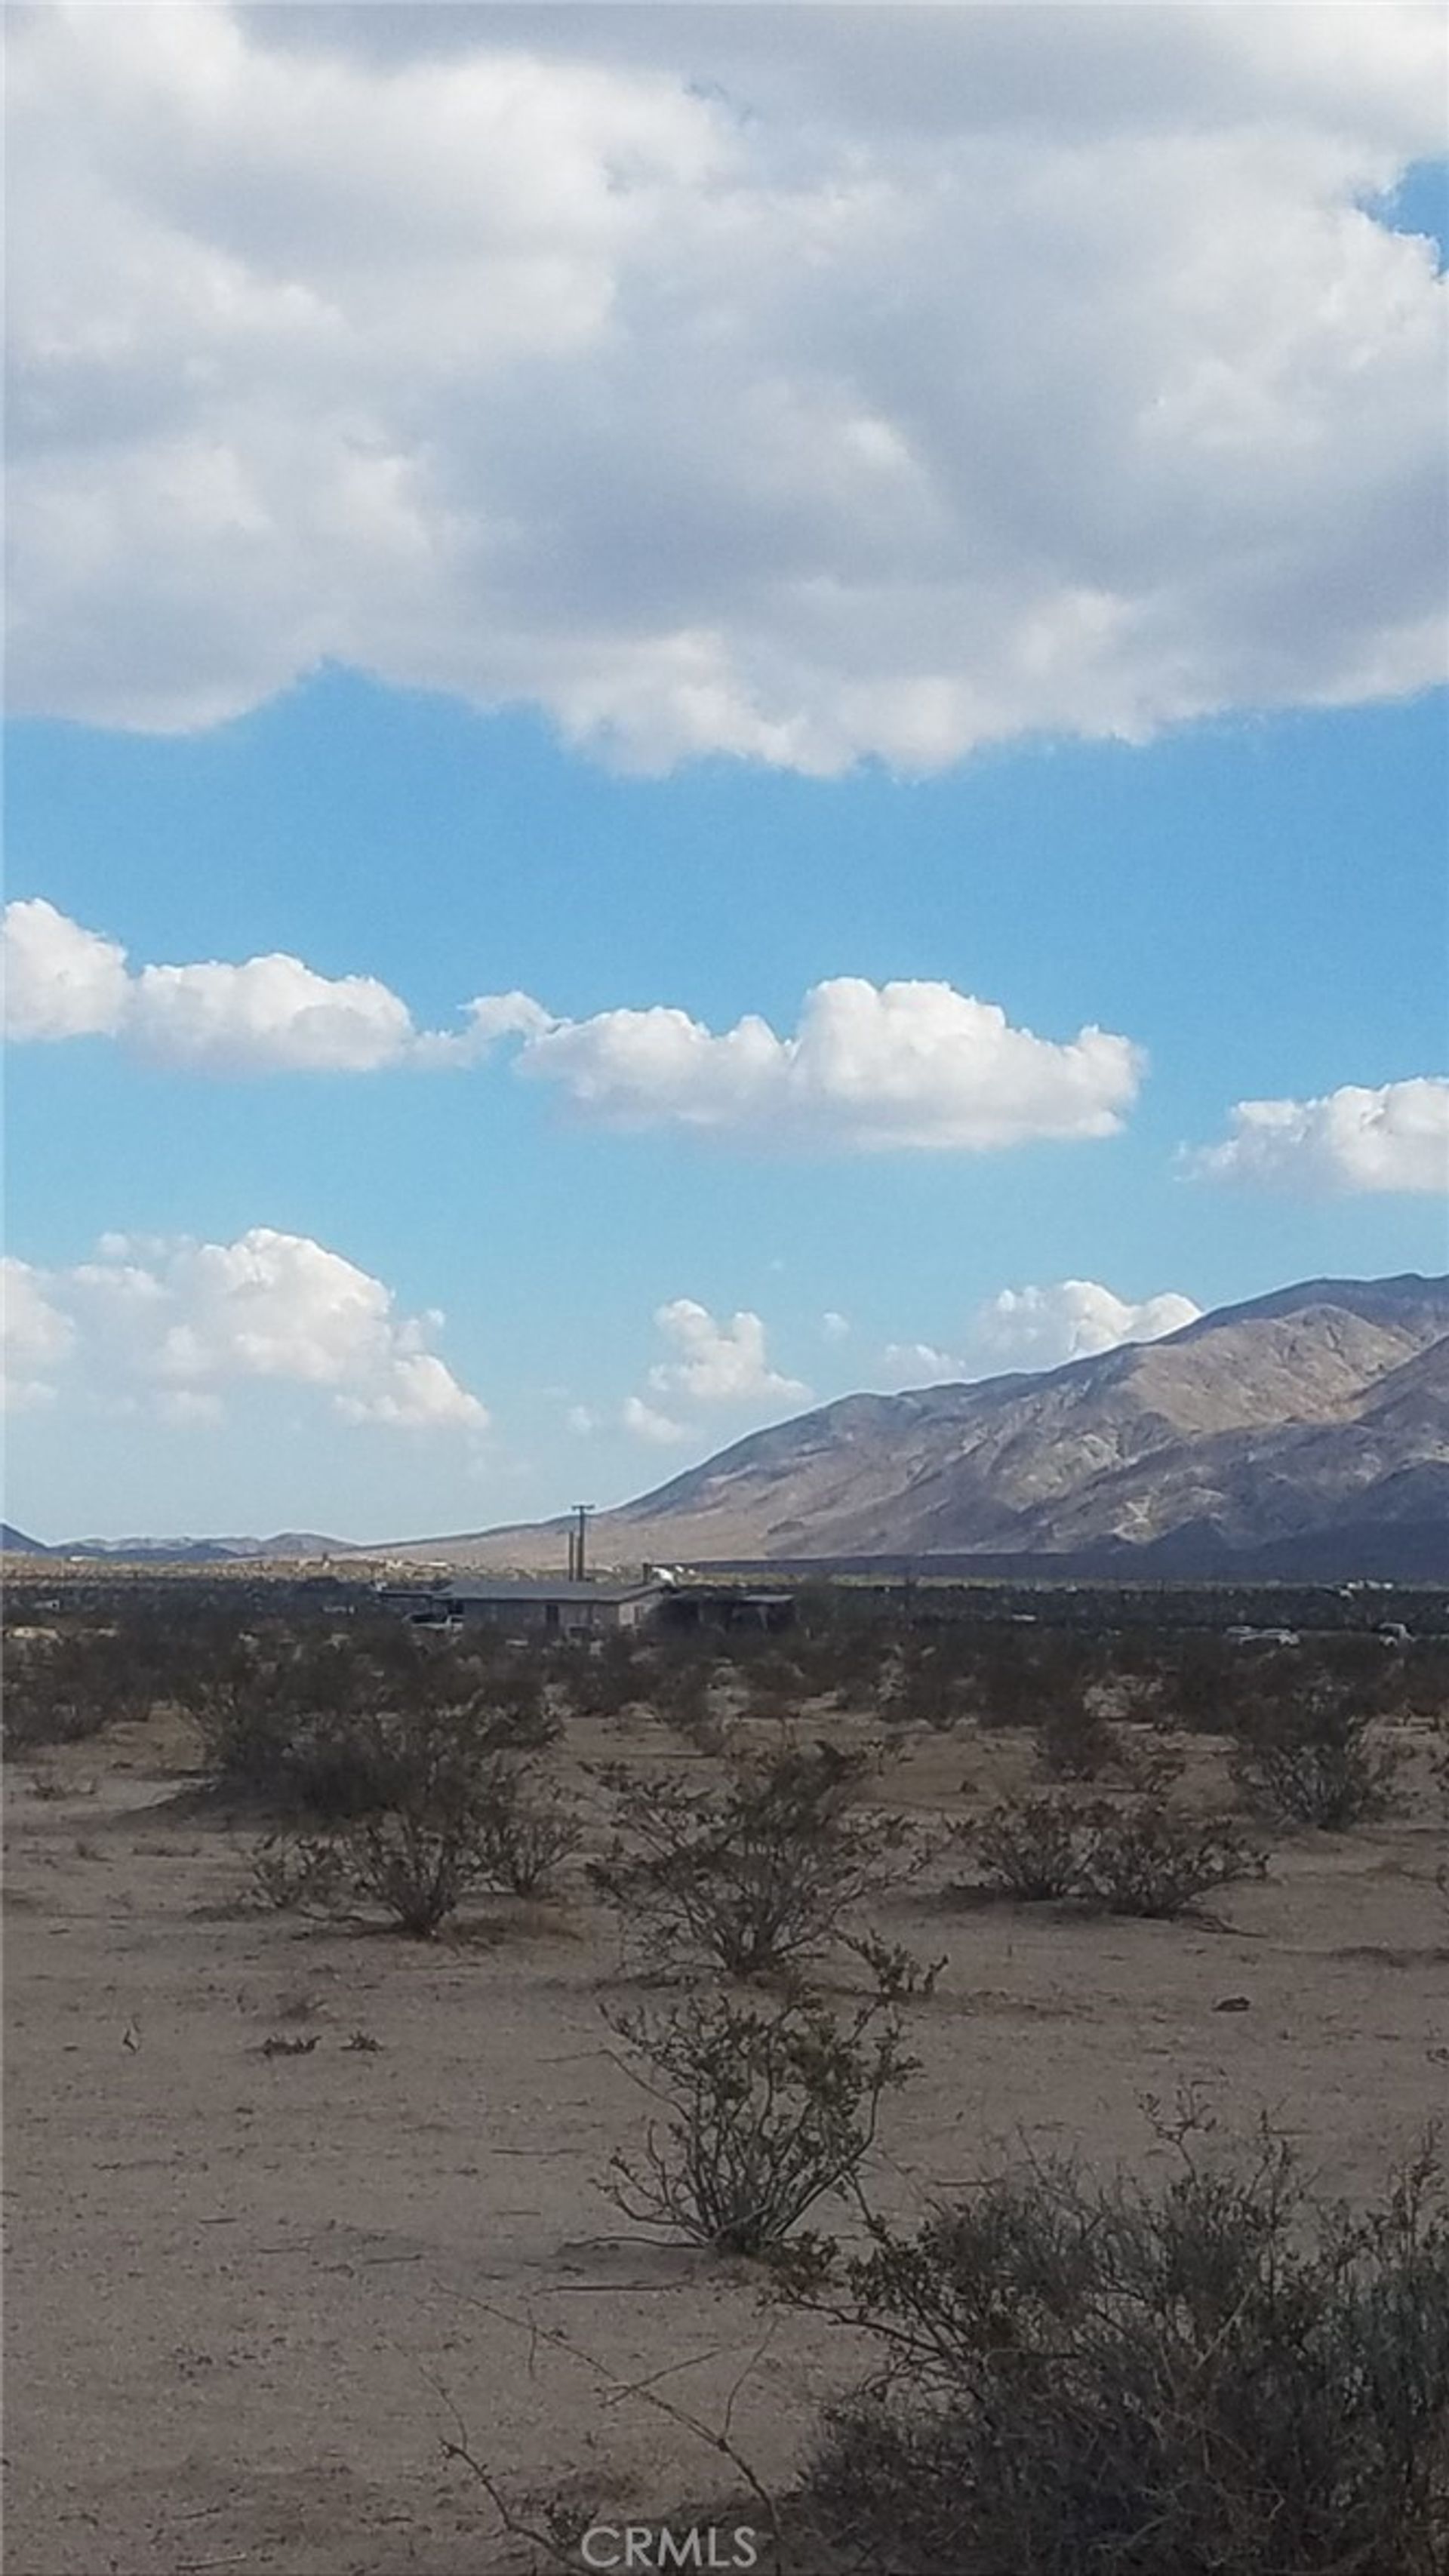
252, 2295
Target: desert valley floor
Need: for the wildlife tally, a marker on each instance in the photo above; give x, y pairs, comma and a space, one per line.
251, 2295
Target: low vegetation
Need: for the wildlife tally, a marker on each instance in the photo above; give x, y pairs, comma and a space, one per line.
770, 2110
754, 1877
1137, 1855
1219, 2374
1317, 1759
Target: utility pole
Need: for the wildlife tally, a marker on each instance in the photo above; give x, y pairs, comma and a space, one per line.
578, 1543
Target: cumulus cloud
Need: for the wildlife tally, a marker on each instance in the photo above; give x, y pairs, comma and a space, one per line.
1353, 1139
1042, 1327
800, 384
60, 981
646, 1422
716, 1360
35, 1336
1039, 1328
870, 1068
266, 1015
177, 1323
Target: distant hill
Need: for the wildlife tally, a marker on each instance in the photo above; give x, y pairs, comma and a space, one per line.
1301, 1432
13, 1542
289, 1545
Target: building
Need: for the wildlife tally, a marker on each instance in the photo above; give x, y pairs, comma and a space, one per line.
524, 1605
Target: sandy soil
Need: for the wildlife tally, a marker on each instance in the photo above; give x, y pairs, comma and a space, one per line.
251, 2295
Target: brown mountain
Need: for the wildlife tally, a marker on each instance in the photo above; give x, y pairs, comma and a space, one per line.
1303, 1426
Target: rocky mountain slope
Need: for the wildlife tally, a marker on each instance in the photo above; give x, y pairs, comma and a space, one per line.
1270, 1426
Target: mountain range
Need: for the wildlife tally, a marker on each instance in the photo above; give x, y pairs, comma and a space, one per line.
1303, 1433
1307, 1428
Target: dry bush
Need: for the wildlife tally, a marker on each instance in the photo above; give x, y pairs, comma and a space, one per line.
1313, 1761
769, 2113
1149, 1858
448, 1814
527, 1832
335, 1726
757, 1875
1029, 1848
1076, 1741
1142, 1856
1217, 2376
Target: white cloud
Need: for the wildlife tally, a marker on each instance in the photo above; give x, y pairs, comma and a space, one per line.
267, 1015
60, 981
1039, 1328
179, 1323
804, 384
871, 1068
646, 1422
1042, 1327
718, 1361
638, 1420
1353, 1139
36, 1336
834, 1326
921, 1364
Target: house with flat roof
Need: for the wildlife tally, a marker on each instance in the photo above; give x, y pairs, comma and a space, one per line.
522, 1604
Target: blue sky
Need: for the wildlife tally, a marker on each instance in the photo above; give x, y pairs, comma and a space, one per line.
490, 666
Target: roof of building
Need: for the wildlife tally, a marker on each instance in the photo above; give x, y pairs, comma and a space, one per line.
527, 1588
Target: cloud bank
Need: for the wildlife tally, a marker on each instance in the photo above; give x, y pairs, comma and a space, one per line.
803, 385
871, 1068
173, 1326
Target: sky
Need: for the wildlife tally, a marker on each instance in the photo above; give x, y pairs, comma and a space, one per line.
707, 706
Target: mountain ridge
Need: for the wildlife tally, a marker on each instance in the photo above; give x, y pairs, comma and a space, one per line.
1313, 1418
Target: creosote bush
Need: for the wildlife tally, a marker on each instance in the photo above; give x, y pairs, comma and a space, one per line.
1138, 1856
1218, 2376
1311, 1760
1149, 1858
450, 1810
327, 1723
757, 1875
1028, 1848
770, 2111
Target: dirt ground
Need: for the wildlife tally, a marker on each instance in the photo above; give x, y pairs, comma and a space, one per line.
250, 2296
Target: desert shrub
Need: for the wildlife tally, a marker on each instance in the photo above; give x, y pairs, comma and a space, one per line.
1029, 1848
770, 2112
1213, 2377
1142, 1856
755, 1875
1075, 1740
1314, 1761
66, 1682
335, 1726
898, 1975
526, 1832
681, 1693
922, 1687
605, 1678
1149, 1858
448, 1811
